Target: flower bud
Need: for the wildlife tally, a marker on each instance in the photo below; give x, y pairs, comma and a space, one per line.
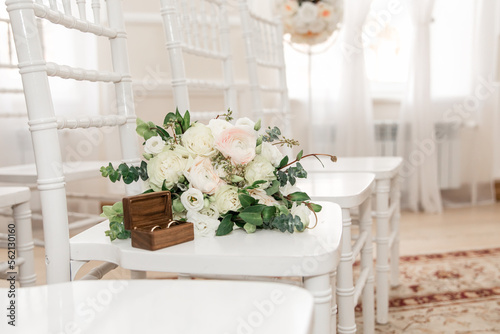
236, 178
177, 205
257, 125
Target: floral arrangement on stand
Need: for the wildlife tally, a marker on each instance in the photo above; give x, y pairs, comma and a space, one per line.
220, 175
310, 21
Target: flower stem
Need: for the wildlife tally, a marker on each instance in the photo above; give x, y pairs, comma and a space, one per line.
332, 158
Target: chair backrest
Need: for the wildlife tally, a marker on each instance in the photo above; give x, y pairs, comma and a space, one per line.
197, 40
43, 122
263, 39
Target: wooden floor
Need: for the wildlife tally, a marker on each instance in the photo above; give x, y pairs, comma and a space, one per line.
454, 229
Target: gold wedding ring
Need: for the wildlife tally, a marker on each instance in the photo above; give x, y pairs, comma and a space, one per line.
172, 222
156, 227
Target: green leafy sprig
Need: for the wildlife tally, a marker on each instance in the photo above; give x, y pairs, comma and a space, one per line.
129, 174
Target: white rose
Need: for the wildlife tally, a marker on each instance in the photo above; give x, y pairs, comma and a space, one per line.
317, 26
218, 125
263, 198
299, 25
192, 199
154, 145
288, 189
271, 153
211, 211
308, 12
260, 169
198, 140
245, 123
182, 151
202, 175
167, 166
238, 144
204, 226
226, 199
302, 211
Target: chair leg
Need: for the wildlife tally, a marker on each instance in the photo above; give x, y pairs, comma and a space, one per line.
24, 243
365, 225
382, 263
319, 287
345, 287
395, 196
333, 284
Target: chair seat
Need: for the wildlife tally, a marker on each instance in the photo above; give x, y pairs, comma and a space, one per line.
166, 306
263, 253
73, 171
10, 196
346, 189
382, 167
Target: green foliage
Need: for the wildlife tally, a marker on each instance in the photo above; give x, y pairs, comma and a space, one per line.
145, 130
225, 226
285, 222
177, 122
129, 174
115, 215
272, 134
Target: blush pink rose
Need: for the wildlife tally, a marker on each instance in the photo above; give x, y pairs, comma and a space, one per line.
202, 175
237, 144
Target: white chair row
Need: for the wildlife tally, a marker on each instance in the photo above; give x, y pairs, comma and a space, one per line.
189, 258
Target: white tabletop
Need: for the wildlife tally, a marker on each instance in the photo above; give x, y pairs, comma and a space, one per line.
382, 167
346, 189
26, 174
160, 306
263, 253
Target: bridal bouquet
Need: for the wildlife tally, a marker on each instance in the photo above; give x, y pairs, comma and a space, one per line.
310, 21
220, 175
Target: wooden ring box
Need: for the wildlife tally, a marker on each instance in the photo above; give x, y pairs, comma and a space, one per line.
143, 212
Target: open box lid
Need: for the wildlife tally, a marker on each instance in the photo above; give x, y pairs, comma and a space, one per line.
142, 210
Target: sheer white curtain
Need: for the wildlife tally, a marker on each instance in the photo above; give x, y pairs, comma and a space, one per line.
343, 125
416, 137
477, 111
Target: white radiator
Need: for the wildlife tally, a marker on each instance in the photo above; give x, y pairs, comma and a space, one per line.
447, 144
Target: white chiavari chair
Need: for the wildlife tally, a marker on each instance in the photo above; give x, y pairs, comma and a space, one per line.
24, 174
386, 192
43, 120
18, 239
266, 68
197, 34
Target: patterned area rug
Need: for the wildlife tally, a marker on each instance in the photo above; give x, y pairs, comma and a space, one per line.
457, 292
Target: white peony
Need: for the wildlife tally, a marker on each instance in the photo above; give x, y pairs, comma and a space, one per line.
218, 125
271, 153
226, 199
238, 144
198, 140
302, 211
308, 12
263, 198
168, 167
288, 189
192, 199
154, 145
182, 151
203, 225
202, 175
260, 169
